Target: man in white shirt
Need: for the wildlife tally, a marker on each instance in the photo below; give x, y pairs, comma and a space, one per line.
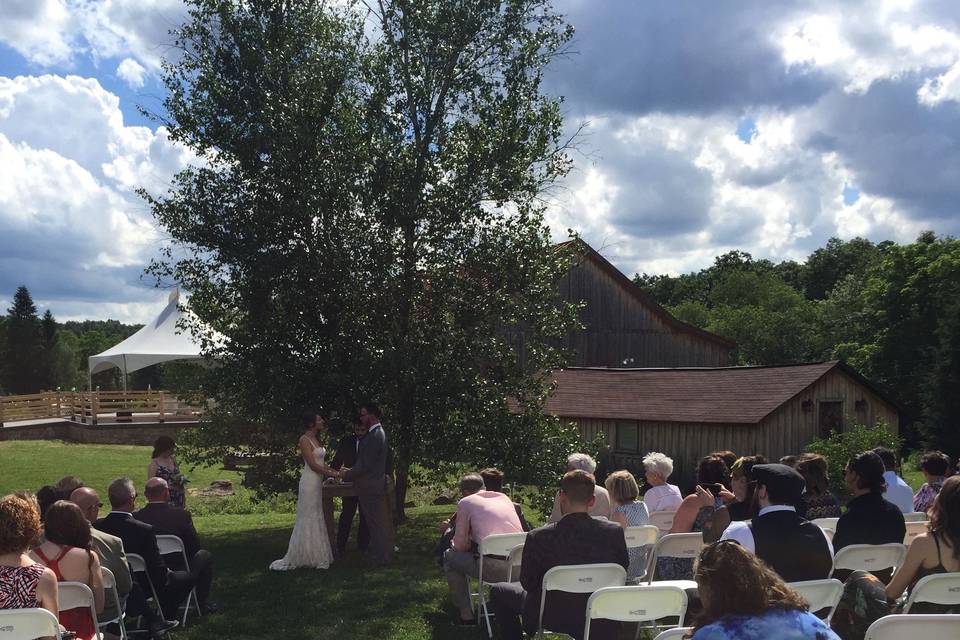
795, 548
898, 492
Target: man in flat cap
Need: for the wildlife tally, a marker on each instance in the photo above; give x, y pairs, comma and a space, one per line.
794, 547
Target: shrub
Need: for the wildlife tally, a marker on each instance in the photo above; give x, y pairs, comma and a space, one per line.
840, 447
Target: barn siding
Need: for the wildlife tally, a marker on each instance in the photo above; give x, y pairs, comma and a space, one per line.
786, 431
618, 327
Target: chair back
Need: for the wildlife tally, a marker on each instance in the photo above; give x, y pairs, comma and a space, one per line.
109, 580
27, 624
826, 523
500, 544
915, 625
914, 528
171, 544
870, 557
641, 535
642, 603
580, 578
916, 516
939, 588
514, 559
829, 533
137, 563
674, 545
76, 595
110, 591
673, 634
820, 594
663, 520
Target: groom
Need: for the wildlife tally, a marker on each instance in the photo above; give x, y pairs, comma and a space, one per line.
369, 478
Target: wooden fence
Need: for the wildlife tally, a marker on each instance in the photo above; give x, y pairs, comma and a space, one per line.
96, 406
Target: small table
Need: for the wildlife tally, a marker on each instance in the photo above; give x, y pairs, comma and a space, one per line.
331, 491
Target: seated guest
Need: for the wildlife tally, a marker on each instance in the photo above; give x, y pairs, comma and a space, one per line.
935, 466
493, 481
743, 506
660, 496
696, 510
576, 539
173, 587
109, 548
46, 496
480, 513
728, 457
170, 520
743, 599
869, 518
898, 491
67, 485
68, 552
24, 583
629, 512
793, 547
818, 501
601, 506
865, 598
790, 461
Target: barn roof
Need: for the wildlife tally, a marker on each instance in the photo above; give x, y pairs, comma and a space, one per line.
728, 395
644, 298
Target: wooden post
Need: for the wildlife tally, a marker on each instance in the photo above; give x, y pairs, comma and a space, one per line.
94, 406
1, 411
161, 407
59, 403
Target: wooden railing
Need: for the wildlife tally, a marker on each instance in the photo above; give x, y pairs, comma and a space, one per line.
93, 407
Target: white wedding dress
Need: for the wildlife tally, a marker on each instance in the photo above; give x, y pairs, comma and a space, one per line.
309, 543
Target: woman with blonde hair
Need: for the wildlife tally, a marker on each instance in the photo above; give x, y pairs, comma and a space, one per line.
744, 599
628, 512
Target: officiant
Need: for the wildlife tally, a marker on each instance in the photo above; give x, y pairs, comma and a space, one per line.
346, 456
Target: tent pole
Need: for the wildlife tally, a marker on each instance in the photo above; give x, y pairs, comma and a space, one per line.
124, 373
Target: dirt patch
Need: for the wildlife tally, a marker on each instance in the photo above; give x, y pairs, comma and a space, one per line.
217, 489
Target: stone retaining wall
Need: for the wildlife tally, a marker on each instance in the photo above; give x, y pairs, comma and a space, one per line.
140, 433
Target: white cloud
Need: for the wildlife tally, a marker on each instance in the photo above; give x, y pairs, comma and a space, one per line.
131, 72
40, 30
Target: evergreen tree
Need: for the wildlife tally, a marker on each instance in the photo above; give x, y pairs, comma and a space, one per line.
23, 372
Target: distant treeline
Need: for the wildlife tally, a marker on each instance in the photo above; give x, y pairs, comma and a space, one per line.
890, 310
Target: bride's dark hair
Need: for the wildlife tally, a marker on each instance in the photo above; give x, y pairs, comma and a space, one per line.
309, 416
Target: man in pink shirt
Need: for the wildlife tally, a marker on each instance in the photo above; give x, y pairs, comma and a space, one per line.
480, 513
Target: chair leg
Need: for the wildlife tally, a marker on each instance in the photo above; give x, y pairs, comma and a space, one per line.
196, 604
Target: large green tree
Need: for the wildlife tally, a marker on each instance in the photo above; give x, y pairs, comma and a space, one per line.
23, 371
367, 223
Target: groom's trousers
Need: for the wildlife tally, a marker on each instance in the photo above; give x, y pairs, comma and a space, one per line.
373, 509
350, 506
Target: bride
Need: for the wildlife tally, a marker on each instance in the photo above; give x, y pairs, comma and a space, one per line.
309, 543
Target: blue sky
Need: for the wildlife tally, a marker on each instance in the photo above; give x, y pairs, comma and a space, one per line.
733, 124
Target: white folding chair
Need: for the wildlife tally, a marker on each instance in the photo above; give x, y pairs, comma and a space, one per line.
869, 557
27, 624
829, 533
514, 559
914, 528
939, 588
498, 545
673, 634
173, 544
110, 591
663, 520
643, 535
826, 523
674, 545
821, 594
139, 565
638, 603
580, 578
76, 595
924, 626
916, 516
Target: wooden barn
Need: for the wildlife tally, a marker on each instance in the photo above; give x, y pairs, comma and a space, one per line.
625, 327
689, 412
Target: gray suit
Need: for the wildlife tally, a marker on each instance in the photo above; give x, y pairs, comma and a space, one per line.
110, 550
369, 478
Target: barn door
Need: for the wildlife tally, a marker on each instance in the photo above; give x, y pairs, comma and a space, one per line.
830, 418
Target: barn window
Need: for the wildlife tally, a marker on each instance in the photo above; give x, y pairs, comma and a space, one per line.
628, 436
830, 418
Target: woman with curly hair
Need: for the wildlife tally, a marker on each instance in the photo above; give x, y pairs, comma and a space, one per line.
743, 599
24, 584
68, 552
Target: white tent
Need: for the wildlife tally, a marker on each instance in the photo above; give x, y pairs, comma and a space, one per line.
158, 341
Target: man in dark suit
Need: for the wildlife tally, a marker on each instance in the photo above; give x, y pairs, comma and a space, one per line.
576, 539
140, 538
170, 520
369, 478
346, 456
